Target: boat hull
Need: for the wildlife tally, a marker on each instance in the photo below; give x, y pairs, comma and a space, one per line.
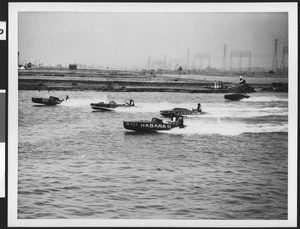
147, 126
183, 112
236, 96
100, 108
107, 106
52, 101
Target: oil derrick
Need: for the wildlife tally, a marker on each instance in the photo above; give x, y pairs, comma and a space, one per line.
208, 57
275, 57
284, 61
240, 55
157, 64
175, 63
195, 56
201, 56
149, 63
187, 66
240, 63
165, 62
249, 63
224, 62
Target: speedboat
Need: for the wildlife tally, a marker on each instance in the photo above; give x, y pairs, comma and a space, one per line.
51, 101
155, 124
111, 105
180, 111
236, 96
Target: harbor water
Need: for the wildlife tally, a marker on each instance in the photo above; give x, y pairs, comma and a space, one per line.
230, 162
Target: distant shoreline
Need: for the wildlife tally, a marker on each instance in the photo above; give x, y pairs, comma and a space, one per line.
124, 82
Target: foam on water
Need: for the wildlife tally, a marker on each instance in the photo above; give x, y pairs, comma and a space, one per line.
266, 128
244, 112
264, 99
216, 118
209, 110
205, 127
150, 107
76, 103
82, 102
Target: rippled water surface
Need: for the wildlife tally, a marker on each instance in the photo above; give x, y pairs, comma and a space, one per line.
228, 163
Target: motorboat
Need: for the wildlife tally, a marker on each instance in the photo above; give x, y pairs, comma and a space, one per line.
181, 111
110, 106
155, 124
236, 96
51, 101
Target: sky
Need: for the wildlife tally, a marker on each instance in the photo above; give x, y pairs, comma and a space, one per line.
128, 39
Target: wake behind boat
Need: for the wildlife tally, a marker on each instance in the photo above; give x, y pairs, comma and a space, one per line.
181, 111
155, 124
236, 96
111, 105
51, 101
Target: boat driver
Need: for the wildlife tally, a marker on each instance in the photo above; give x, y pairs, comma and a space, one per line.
199, 107
131, 102
242, 81
179, 121
173, 119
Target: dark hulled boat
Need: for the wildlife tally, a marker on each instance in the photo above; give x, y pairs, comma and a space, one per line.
51, 101
179, 111
104, 106
110, 106
236, 96
155, 124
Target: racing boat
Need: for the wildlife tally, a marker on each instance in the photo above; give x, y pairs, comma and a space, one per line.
155, 124
51, 101
111, 105
181, 111
236, 96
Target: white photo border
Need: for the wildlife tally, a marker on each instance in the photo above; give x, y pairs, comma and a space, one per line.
15, 8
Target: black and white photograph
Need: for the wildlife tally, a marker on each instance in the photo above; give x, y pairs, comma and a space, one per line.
152, 114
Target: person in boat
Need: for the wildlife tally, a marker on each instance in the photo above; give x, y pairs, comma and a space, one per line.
179, 120
199, 107
173, 119
242, 81
112, 103
131, 102
67, 97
